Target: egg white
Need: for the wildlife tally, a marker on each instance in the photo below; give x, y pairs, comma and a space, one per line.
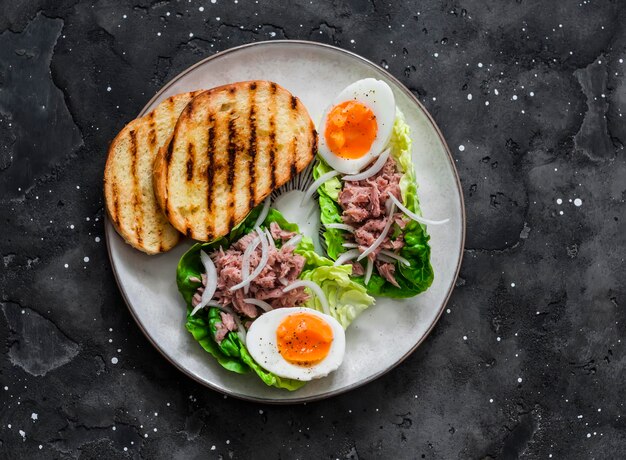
261, 343
378, 97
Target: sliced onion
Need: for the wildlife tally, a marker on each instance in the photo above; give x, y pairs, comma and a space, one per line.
314, 287
385, 258
284, 281
395, 256
368, 271
241, 331
210, 303
245, 260
382, 235
377, 166
315, 185
265, 254
293, 241
346, 256
211, 282
346, 227
415, 217
264, 211
270, 238
350, 245
259, 303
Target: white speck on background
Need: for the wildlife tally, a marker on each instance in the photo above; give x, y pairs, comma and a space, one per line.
498, 339
66, 265
480, 64
212, 447
97, 239
201, 9
23, 435
495, 91
461, 148
514, 97
469, 97
491, 400
559, 201
34, 416
578, 202
114, 360
86, 259
108, 89
6, 388
464, 337
532, 94
436, 54
561, 213
519, 380
512, 284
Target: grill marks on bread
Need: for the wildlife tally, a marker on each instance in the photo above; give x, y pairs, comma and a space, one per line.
128, 190
136, 192
252, 148
256, 136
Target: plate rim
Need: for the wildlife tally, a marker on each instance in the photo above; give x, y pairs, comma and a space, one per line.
327, 394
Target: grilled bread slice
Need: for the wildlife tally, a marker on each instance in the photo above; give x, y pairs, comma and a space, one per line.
232, 146
128, 188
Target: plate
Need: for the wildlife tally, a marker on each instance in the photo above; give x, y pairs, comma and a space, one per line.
315, 73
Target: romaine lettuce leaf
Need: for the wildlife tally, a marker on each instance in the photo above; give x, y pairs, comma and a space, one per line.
330, 211
346, 298
419, 276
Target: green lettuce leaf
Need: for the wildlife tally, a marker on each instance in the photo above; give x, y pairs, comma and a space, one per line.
330, 211
347, 297
419, 276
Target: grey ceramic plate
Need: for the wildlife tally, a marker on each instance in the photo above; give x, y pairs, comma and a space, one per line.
315, 73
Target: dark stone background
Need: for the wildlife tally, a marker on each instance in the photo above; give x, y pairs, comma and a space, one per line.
528, 362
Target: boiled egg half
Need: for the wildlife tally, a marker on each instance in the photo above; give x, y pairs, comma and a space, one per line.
297, 343
357, 127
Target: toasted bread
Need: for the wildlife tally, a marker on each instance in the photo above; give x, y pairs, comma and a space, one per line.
128, 191
232, 146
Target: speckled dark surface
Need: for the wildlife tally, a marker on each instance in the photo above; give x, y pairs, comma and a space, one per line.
529, 361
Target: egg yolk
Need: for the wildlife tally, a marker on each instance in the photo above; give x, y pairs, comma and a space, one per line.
351, 129
304, 339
